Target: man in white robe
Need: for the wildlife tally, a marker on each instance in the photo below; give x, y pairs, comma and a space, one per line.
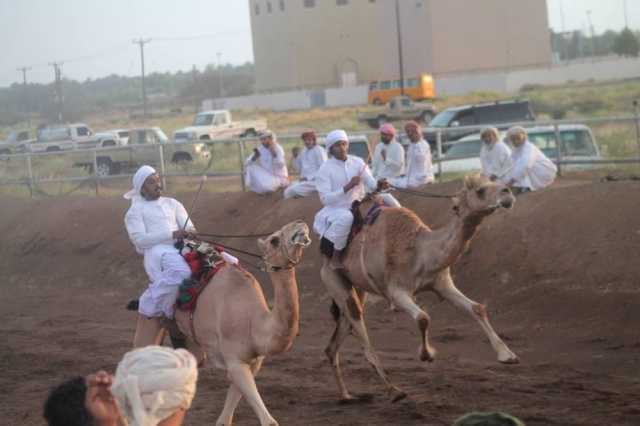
154, 224
531, 169
419, 169
309, 162
388, 157
495, 155
341, 180
266, 169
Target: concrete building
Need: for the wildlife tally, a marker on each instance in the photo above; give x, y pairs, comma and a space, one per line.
340, 43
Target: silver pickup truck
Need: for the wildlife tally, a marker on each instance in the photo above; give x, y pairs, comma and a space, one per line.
63, 138
143, 147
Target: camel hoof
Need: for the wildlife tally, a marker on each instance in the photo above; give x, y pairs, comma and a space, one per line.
361, 398
397, 395
427, 354
513, 360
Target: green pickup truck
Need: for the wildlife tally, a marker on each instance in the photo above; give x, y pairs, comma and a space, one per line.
143, 147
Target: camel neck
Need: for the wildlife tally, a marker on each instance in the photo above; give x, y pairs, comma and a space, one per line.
286, 308
454, 238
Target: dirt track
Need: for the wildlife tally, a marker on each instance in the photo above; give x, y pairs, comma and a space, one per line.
559, 274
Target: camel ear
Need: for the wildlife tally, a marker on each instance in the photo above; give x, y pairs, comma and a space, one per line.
468, 182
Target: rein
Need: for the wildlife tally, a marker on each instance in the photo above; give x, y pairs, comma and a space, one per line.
422, 193
234, 236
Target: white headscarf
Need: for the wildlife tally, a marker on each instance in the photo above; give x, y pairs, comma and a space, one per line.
334, 137
138, 180
153, 382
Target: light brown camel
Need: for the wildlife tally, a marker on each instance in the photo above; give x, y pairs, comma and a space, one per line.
235, 328
399, 256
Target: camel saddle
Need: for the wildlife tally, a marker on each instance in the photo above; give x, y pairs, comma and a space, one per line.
359, 222
205, 261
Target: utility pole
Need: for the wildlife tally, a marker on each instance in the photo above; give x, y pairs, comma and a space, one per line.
399, 33
59, 97
141, 42
194, 74
626, 17
593, 34
565, 45
220, 86
24, 93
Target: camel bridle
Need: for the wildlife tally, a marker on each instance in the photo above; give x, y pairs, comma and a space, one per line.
283, 250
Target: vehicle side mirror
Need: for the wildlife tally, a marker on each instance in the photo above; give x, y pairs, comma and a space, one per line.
455, 123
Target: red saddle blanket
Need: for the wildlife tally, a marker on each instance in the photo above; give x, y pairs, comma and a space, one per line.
204, 266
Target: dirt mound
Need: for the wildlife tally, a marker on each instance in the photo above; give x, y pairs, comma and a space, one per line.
557, 272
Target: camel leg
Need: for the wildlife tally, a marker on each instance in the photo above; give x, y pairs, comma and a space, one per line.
445, 287
405, 302
233, 397
343, 328
241, 377
347, 300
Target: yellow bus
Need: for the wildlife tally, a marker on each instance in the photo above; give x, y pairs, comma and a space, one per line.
417, 88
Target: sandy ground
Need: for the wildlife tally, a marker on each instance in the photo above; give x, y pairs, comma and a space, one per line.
559, 274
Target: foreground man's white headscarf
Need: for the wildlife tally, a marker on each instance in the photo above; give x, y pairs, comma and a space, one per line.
138, 180
153, 382
334, 137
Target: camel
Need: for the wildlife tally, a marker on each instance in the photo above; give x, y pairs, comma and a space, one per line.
235, 329
398, 256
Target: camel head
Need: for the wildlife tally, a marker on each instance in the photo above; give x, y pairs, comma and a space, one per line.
481, 196
283, 249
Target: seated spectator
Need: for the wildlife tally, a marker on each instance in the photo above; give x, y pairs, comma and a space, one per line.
495, 155
531, 169
307, 163
388, 156
419, 167
152, 386
266, 169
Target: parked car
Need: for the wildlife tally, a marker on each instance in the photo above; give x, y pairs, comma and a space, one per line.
577, 142
399, 108
63, 138
498, 114
142, 148
16, 142
217, 124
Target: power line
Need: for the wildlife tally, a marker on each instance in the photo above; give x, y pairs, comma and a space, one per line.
203, 36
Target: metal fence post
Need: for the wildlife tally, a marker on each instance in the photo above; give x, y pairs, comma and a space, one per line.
636, 111
556, 130
96, 177
162, 167
30, 171
241, 154
439, 150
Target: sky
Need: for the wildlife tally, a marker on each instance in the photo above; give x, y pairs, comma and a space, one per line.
94, 37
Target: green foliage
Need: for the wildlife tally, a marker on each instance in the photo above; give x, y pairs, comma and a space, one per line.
626, 44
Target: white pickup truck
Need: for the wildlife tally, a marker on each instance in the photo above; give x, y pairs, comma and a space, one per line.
216, 125
64, 138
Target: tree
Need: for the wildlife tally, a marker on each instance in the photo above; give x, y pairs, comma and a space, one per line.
626, 44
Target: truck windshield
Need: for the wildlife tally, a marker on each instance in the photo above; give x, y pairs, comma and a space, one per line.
203, 119
443, 119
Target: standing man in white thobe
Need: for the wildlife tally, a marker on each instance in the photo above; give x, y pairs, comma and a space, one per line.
341, 180
388, 157
495, 155
419, 167
266, 169
531, 169
310, 160
154, 224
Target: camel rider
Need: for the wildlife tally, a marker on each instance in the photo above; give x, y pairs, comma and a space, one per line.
495, 155
310, 160
419, 166
531, 169
341, 180
154, 224
388, 157
266, 169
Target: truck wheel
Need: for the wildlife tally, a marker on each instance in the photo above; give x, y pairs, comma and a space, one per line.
53, 149
105, 168
250, 133
205, 138
4, 152
426, 117
181, 157
377, 101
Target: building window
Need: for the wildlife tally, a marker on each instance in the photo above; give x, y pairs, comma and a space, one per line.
309, 3
282, 5
257, 9
269, 10
342, 2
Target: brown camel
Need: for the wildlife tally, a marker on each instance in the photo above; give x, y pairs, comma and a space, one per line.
399, 256
235, 328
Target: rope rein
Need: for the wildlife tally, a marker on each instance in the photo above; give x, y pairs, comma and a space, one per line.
422, 193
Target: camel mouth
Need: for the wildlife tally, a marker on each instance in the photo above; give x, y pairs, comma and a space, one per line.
301, 238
